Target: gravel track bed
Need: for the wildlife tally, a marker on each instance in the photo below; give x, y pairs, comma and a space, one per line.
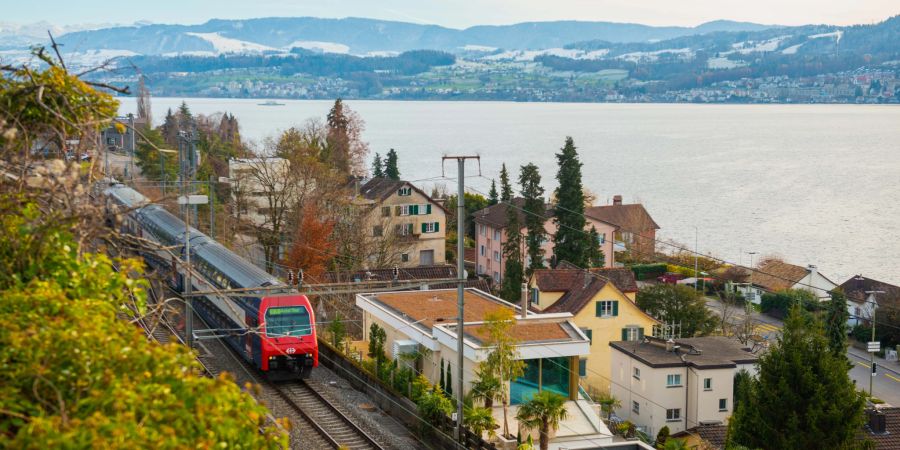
359, 407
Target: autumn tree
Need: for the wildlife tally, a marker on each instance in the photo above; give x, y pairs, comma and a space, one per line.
311, 248
533, 208
345, 149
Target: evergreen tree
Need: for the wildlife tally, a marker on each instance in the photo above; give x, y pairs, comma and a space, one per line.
338, 137
595, 255
390, 166
442, 383
506, 193
530, 180
570, 242
836, 316
803, 397
449, 381
493, 197
513, 270
377, 167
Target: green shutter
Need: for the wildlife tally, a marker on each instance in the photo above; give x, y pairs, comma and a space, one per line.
599, 309
624, 334
615, 308
399, 210
590, 335
582, 367
424, 226
437, 227
640, 334
413, 210
428, 209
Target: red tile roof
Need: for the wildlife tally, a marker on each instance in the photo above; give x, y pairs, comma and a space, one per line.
775, 275
856, 291
632, 218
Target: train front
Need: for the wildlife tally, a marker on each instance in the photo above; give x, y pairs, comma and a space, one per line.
289, 346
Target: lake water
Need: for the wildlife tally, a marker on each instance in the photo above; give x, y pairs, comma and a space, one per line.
815, 184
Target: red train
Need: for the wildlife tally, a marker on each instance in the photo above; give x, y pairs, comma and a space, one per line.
271, 328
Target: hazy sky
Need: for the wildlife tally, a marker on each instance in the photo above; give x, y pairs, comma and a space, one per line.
458, 13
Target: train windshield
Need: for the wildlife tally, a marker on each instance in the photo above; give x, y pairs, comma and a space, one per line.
287, 321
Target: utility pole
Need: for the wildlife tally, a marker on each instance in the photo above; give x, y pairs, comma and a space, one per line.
461, 278
696, 256
872, 353
188, 169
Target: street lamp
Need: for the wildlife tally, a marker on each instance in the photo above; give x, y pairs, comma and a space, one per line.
696, 256
872, 324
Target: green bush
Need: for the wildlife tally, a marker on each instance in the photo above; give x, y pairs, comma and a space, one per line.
648, 271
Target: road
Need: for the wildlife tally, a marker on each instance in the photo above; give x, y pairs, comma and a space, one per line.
886, 383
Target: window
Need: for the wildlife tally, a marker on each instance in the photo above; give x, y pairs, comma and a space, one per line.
601, 238
482, 230
496, 277
673, 414
673, 380
496, 235
377, 231
632, 333
496, 255
404, 257
535, 296
482, 250
402, 210
404, 229
480, 269
607, 308
582, 367
723, 404
635, 407
404, 191
589, 333
636, 372
430, 227
287, 321
707, 384
423, 209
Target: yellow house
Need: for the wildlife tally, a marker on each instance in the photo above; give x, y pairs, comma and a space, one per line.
602, 303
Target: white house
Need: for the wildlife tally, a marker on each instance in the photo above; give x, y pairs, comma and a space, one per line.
865, 296
774, 275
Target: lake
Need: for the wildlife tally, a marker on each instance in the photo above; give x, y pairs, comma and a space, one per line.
814, 184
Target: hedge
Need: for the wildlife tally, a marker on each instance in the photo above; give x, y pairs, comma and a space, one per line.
648, 271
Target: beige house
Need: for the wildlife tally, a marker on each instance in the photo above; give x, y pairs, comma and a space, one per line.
680, 384
405, 221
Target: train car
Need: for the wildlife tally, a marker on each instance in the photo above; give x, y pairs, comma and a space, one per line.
271, 328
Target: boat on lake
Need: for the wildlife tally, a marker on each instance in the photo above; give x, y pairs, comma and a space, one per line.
270, 103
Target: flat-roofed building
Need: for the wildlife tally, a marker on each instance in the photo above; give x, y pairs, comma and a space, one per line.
679, 383
549, 344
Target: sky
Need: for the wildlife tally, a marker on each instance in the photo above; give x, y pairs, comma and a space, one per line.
458, 13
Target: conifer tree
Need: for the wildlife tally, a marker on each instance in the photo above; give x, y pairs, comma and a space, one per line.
533, 206
803, 397
836, 316
493, 196
390, 166
377, 167
513, 270
338, 137
442, 383
595, 256
506, 193
449, 381
570, 243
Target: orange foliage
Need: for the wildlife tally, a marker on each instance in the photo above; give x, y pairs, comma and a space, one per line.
312, 248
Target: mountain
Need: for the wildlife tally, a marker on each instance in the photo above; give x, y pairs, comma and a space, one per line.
364, 36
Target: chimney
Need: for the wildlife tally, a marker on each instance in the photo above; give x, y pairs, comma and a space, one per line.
524, 300
670, 345
812, 271
877, 422
617, 199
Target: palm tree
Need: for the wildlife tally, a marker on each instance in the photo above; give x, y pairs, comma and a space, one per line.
480, 420
675, 444
543, 411
486, 387
609, 403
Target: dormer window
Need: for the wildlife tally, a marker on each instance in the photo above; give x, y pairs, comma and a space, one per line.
404, 191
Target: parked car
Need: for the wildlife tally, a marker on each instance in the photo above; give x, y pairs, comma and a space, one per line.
670, 278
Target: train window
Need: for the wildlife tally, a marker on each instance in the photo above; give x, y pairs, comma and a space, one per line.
287, 321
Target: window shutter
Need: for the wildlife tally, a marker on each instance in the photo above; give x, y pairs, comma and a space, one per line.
640, 334
624, 334
582, 367
428, 209
615, 308
399, 210
424, 227
437, 227
590, 335
599, 309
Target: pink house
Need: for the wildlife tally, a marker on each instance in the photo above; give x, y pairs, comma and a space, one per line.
621, 227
